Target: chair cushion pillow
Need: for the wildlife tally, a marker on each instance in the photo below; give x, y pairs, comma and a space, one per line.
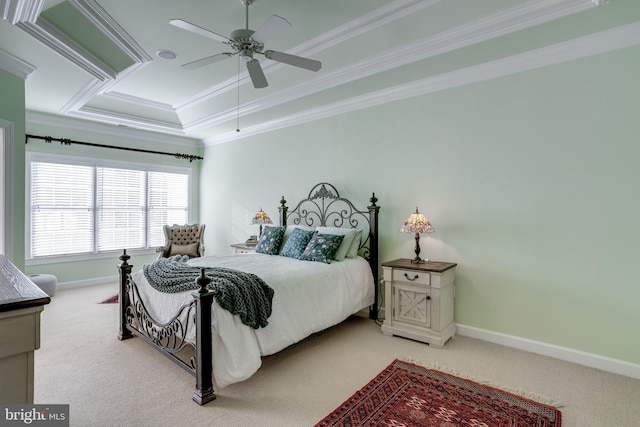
191, 250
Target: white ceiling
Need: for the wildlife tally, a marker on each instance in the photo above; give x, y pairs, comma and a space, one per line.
372, 51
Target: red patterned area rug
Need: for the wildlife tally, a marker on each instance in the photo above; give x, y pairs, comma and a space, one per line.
407, 395
110, 300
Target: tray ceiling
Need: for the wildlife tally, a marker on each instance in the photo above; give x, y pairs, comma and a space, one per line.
101, 61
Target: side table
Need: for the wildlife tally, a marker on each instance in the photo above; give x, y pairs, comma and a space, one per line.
243, 248
419, 300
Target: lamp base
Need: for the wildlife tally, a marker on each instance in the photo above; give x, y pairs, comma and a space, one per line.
417, 259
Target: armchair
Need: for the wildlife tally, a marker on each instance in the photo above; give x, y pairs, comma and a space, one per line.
182, 240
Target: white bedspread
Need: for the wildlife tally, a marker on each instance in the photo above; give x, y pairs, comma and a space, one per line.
309, 297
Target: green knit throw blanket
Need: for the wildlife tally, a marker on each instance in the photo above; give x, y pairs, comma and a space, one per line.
239, 292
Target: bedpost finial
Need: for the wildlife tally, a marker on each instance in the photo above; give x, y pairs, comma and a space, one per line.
283, 201
124, 257
202, 281
373, 199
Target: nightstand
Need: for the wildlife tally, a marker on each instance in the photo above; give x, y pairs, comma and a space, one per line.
243, 248
419, 300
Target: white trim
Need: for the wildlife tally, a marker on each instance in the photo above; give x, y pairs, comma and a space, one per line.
110, 28
16, 11
88, 282
603, 363
45, 119
15, 66
361, 25
605, 41
58, 42
8, 190
129, 120
514, 19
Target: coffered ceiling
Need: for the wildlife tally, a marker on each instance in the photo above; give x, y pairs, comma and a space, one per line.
102, 60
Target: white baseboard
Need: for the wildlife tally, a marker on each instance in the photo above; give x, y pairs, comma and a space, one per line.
88, 282
608, 364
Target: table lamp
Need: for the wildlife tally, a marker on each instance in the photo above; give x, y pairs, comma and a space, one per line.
261, 217
417, 223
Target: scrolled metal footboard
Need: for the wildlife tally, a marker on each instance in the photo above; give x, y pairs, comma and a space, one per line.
170, 337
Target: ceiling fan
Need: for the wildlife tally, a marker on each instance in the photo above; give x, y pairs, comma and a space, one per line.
246, 42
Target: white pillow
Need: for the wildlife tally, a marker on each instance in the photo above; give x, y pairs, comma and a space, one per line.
349, 235
353, 250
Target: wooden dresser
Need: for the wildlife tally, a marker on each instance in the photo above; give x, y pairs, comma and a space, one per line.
21, 303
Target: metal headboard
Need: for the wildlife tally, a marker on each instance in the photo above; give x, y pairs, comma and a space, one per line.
324, 207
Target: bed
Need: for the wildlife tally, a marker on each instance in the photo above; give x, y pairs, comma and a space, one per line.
218, 347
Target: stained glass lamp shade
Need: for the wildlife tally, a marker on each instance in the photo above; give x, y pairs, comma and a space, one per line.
417, 223
261, 217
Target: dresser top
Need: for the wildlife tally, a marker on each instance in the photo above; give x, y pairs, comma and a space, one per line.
17, 290
434, 266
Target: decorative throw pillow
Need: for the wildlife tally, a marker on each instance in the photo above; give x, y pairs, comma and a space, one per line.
353, 250
296, 243
191, 250
348, 233
289, 231
269, 241
322, 248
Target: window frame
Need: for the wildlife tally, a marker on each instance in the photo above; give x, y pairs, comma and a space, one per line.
95, 163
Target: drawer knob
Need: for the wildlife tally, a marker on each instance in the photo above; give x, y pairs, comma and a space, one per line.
409, 278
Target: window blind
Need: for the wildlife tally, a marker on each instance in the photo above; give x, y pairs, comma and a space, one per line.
168, 203
85, 209
62, 212
121, 204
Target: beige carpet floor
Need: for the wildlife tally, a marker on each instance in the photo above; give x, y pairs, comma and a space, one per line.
107, 382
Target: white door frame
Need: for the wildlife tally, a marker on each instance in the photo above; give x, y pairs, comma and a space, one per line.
6, 188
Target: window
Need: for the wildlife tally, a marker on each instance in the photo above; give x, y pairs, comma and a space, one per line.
79, 207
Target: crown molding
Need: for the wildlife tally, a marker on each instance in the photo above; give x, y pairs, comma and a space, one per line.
128, 120
33, 117
531, 13
16, 11
594, 44
55, 40
148, 103
515, 19
110, 28
15, 66
363, 24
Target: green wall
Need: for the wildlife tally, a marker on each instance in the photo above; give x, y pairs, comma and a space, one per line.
527, 179
12, 88
104, 267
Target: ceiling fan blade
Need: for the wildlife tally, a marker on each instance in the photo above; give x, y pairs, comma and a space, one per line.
256, 74
206, 61
198, 30
272, 27
298, 61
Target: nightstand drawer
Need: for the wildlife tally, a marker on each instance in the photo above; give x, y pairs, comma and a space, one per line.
412, 276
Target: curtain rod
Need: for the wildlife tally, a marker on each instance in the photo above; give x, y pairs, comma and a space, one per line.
67, 141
